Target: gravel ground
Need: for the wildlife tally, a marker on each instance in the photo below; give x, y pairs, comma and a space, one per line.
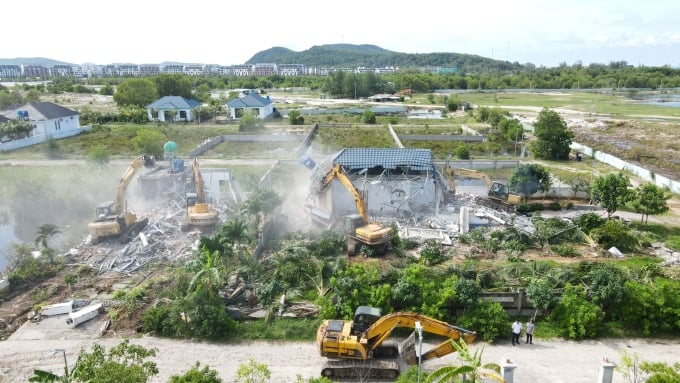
546, 361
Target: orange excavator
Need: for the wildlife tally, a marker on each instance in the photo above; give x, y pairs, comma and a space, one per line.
352, 344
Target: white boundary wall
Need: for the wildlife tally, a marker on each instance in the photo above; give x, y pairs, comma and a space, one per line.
638, 171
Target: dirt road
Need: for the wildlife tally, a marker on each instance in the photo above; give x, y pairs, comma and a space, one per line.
553, 361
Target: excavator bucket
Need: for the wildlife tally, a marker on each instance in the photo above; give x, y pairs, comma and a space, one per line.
408, 350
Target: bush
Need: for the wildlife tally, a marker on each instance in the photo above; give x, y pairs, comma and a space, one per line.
368, 117
576, 316
589, 221
554, 206
615, 233
431, 254
564, 250
488, 318
462, 152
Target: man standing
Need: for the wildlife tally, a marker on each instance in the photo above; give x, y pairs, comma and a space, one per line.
516, 330
530, 332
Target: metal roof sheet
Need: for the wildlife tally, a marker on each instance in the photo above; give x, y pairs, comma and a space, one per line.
173, 102
252, 100
388, 158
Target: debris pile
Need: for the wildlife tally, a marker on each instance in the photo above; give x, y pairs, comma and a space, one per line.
162, 240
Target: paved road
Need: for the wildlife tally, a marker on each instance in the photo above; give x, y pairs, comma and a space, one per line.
546, 361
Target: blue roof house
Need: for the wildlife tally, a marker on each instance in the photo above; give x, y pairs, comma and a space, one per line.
253, 103
172, 109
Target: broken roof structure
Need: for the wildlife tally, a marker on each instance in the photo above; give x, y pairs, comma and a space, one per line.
395, 183
386, 158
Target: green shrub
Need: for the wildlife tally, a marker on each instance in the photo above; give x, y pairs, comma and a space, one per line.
615, 233
488, 318
576, 316
432, 254
555, 206
564, 250
589, 221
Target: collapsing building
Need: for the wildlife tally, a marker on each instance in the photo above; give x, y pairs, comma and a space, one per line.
395, 183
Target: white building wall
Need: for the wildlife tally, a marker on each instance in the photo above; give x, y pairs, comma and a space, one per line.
409, 196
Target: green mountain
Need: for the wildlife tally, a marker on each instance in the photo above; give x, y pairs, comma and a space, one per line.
32, 61
350, 55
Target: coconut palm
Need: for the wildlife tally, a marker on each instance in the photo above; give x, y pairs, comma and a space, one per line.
471, 370
45, 232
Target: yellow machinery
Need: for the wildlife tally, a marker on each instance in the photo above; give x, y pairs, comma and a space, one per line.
499, 197
199, 212
498, 194
356, 226
113, 218
351, 343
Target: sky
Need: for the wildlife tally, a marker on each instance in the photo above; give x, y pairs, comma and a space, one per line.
542, 32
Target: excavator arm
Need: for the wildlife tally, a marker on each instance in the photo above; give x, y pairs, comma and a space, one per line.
198, 181
382, 328
146, 161
337, 172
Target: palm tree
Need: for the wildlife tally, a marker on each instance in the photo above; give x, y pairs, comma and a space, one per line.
471, 370
209, 273
45, 232
235, 231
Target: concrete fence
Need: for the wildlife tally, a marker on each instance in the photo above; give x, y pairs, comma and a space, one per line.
34, 140
638, 171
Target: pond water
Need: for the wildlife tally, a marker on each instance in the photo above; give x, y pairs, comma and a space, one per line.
666, 100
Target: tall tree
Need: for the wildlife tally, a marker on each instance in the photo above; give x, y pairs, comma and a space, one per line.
650, 199
137, 91
527, 179
611, 191
553, 138
173, 85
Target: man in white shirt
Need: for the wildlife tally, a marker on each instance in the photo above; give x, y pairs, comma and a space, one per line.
516, 330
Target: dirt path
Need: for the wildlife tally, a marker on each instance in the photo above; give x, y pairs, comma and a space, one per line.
553, 361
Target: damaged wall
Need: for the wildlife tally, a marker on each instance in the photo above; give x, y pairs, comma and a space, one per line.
394, 196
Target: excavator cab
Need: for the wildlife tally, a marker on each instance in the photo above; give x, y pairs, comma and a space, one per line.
106, 209
352, 222
192, 199
499, 190
364, 317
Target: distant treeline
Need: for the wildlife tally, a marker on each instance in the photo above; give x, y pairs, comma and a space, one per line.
616, 75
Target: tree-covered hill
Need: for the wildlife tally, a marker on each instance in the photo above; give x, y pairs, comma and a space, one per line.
350, 55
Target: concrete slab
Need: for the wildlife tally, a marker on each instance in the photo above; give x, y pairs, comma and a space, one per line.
55, 327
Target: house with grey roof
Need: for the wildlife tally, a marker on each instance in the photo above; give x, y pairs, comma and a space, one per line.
46, 119
394, 182
172, 109
253, 103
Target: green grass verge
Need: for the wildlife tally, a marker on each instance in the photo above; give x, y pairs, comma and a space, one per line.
279, 329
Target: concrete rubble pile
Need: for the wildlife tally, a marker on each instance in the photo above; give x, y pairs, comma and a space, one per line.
162, 240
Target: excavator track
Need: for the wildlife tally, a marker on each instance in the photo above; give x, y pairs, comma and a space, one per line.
495, 204
361, 370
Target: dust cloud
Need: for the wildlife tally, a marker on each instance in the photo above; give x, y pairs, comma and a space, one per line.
63, 194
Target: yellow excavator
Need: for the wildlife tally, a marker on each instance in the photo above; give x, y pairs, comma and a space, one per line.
498, 195
113, 218
351, 344
199, 213
358, 230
